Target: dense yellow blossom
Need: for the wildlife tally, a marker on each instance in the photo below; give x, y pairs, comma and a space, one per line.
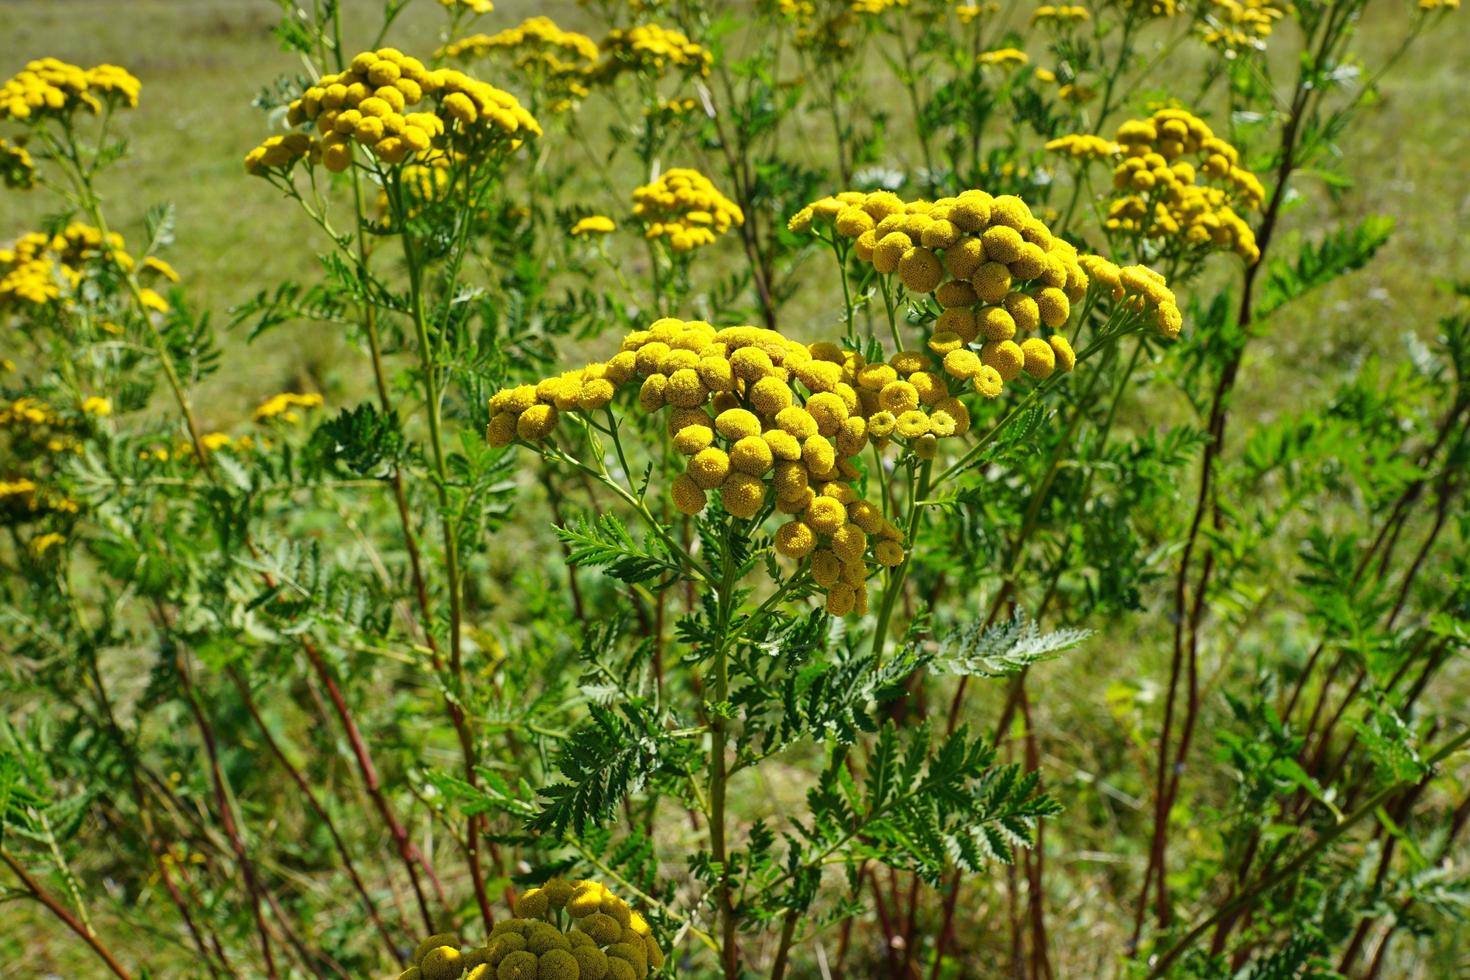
284, 405
23, 499
558, 63
766, 423
1060, 14
43, 543
1439, 4
48, 88
652, 50
1004, 58
593, 224
968, 13
39, 268
17, 170
562, 931
1176, 181
473, 6
1238, 24
683, 207
397, 109
996, 272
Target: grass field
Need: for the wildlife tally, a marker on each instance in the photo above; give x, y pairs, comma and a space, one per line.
203, 61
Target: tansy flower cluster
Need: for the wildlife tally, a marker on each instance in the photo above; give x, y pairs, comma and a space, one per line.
557, 62
395, 108
1439, 4
758, 418
651, 50
49, 88
1163, 195
593, 224
995, 270
473, 6
968, 13
283, 406
683, 207
34, 428
1238, 24
562, 931
24, 500
17, 170
40, 268
1004, 58
1060, 15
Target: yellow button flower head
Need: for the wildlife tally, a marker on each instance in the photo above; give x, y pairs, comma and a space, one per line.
1175, 182
40, 269
283, 406
1243, 25
473, 6
594, 224
602, 938
775, 428
558, 64
684, 208
50, 88
651, 50
397, 109
1059, 15
1004, 58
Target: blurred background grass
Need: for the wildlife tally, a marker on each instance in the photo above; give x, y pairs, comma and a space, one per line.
202, 62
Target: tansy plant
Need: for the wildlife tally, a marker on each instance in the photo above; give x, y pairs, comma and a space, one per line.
540, 603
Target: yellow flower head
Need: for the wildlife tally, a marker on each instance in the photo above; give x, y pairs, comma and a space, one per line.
50, 88
283, 407
562, 930
40, 269
1236, 26
651, 50
558, 64
1175, 182
685, 209
766, 424
593, 224
397, 110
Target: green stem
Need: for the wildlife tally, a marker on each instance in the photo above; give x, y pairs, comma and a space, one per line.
719, 731
900, 574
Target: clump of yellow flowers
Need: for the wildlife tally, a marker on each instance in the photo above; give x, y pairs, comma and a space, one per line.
473, 6
996, 271
41, 268
1060, 15
1004, 58
685, 208
1238, 24
764, 422
563, 930
1177, 182
593, 224
557, 62
50, 88
391, 105
651, 50
283, 407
